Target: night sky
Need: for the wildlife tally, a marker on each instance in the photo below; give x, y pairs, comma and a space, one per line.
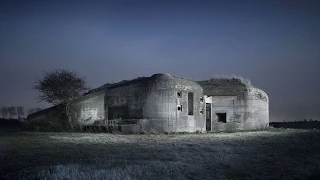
274, 43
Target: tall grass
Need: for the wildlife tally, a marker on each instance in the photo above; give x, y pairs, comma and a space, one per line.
146, 170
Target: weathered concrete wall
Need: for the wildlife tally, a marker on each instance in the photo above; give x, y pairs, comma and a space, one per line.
91, 108
126, 102
153, 103
257, 116
244, 112
47, 120
163, 101
246, 107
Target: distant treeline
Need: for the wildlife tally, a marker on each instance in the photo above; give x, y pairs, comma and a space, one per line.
15, 111
314, 124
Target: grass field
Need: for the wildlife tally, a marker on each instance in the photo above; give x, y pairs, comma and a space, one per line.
272, 154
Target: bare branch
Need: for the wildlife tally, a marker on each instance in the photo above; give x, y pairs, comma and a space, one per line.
60, 86
12, 110
4, 111
20, 111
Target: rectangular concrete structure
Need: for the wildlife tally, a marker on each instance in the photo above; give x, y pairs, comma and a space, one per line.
163, 103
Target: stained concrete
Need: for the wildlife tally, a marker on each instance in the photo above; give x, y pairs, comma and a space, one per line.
46, 120
91, 108
246, 107
153, 104
161, 104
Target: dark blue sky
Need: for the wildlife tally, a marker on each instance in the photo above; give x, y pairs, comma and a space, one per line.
274, 43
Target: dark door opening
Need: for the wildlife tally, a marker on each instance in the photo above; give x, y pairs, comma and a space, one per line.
208, 117
119, 112
222, 117
190, 103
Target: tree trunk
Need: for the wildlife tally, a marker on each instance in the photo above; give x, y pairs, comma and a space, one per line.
69, 115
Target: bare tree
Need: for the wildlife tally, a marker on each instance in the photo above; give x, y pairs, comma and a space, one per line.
12, 110
34, 110
20, 111
4, 112
37, 109
61, 87
30, 111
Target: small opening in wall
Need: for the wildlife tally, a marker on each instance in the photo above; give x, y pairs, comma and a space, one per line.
179, 94
222, 117
201, 99
190, 103
201, 111
179, 108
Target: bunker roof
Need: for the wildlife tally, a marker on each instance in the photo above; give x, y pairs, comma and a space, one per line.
156, 78
225, 86
46, 111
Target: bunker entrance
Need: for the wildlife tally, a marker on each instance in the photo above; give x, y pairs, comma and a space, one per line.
208, 117
222, 117
190, 103
119, 112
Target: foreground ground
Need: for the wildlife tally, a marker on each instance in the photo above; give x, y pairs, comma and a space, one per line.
272, 154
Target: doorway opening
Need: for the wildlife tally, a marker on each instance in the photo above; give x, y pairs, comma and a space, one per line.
190, 103
118, 112
208, 117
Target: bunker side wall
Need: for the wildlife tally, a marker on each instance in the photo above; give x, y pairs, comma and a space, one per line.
48, 120
162, 110
125, 102
91, 109
152, 106
247, 111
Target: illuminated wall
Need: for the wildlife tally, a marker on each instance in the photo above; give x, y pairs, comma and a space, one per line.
152, 105
236, 105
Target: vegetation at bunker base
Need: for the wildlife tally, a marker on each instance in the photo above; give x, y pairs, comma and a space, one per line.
272, 154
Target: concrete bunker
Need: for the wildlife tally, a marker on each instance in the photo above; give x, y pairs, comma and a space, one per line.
163, 103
